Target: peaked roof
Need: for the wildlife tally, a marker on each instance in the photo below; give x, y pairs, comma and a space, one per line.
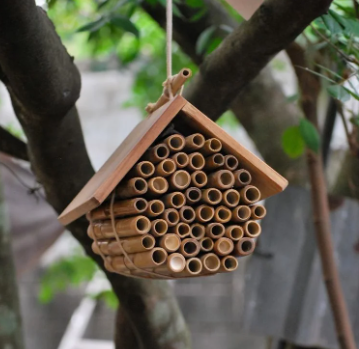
140, 139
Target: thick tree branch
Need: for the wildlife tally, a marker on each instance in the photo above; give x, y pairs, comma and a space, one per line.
13, 146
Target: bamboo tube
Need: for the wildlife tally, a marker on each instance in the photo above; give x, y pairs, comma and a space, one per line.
157, 186
234, 232
198, 231
193, 267
143, 260
175, 263
155, 208
230, 162
181, 159
221, 179
211, 263
215, 230
211, 146
174, 200
170, 242
165, 168
136, 186
223, 246
222, 214
207, 244
157, 153
181, 229
159, 227
190, 247
250, 194
258, 212
176, 82
244, 247
187, 214
194, 142
196, 162
242, 178
171, 216
193, 195
241, 213
204, 213
231, 198
175, 142
180, 180
144, 169
120, 209
252, 229
211, 196
214, 162
199, 179
124, 227
228, 263
134, 244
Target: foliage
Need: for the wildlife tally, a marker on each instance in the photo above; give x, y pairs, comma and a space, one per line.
109, 297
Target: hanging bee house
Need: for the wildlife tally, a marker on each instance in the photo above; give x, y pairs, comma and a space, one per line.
178, 198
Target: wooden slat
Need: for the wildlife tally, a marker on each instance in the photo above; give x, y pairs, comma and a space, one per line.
264, 177
116, 167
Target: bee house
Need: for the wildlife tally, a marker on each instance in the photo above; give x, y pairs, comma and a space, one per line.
178, 198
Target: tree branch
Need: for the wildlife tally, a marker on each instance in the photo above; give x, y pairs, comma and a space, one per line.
13, 146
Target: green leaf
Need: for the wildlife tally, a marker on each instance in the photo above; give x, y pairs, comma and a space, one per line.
338, 92
355, 120
309, 134
109, 297
292, 142
352, 93
332, 25
93, 26
205, 39
198, 15
195, 3
177, 12
125, 24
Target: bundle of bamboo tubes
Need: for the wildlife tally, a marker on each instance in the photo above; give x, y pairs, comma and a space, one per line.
185, 209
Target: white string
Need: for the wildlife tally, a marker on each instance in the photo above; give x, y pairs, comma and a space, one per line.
169, 38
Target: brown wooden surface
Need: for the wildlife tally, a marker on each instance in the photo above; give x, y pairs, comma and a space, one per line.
116, 167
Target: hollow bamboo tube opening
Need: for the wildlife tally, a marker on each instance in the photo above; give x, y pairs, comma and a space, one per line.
193, 195
228, 263
136, 186
241, 213
252, 229
175, 142
181, 229
244, 247
223, 246
143, 169
206, 244
187, 214
234, 232
258, 212
230, 162
174, 200
155, 208
211, 146
250, 194
214, 161
159, 227
211, 196
204, 213
157, 186
181, 159
121, 208
165, 168
221, 179
170, 242
242, 178
171, 216
231, 198
194, 266
190, 247
196, 162
194, 142
211, 263
175, 264
222, 214
157, 153
180, 180
198, 231
215, 230
199, 179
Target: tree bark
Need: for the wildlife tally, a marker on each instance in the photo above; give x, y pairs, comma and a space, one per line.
10, 318
12, 145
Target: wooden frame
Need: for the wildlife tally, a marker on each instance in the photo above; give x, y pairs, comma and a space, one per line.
140, 139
